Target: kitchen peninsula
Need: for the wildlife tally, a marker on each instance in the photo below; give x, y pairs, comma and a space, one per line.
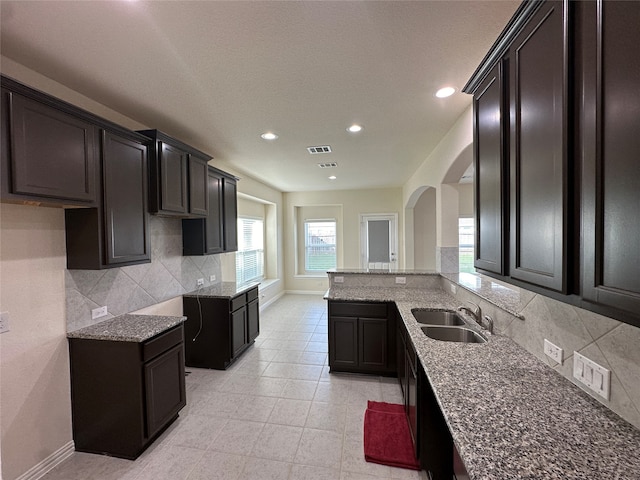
508, 414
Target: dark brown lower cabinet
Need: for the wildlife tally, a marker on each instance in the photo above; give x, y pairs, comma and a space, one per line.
407, 362
219, 329
124, 394
362, 337
435, 442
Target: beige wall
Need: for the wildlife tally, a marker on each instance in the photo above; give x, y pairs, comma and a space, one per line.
34, 360
424, 228
251, 194
439, 170
34, 364
465, 199
352, 203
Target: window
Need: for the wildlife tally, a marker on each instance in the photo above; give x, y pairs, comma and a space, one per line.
466, 228
250, 254
319, 245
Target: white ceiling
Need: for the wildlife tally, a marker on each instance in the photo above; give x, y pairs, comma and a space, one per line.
217, 74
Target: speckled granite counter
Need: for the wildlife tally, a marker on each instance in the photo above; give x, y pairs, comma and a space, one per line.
510, 415
222, 290
128, 328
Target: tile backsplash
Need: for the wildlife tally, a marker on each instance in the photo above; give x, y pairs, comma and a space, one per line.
127, 289
606, 341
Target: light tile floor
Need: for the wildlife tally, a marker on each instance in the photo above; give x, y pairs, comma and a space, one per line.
277, 414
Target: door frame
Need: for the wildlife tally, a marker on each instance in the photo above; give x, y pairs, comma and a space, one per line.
393, 237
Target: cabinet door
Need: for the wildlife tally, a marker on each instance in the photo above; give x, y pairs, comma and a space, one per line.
198, 186
610, 151
238, 331
491, 171
53, 153
253, 320
539, 190
412, 400
372, 343
214, 221
165, 388
401, 361
173, 179
343, 342
230, 215
125, 200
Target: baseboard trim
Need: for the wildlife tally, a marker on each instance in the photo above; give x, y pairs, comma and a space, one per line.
49, 463
305, 292
266, 304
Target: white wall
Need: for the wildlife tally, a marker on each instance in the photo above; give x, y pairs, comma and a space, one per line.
352, 203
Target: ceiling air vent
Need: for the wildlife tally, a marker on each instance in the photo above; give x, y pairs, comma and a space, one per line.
328, 165
320, 149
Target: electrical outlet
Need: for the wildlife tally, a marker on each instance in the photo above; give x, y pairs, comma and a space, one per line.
212, 278
4, 322
338, 279
200, 282
98, 312
401, 280
594, 376
553, 351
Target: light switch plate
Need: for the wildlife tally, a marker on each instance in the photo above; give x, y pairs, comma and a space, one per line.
553, 351
594, 376
401, 280
338, 279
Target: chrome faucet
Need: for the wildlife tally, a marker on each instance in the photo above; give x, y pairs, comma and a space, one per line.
474, 312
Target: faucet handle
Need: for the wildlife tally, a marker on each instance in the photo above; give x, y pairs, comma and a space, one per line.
489, 321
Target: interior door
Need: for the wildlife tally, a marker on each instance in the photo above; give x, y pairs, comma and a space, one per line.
379, 240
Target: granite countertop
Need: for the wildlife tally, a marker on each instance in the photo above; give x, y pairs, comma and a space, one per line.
510, 415
222, 290
128, 328
382, 271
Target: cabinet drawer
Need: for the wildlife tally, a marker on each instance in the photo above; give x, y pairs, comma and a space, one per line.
252, 294
238, 302
162, 343
349, 309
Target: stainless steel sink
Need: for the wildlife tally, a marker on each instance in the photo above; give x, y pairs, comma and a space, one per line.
453, 334
437, 317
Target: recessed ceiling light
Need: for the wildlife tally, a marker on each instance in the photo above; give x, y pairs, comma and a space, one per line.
445, 92
269, 136
332, 177
354, 128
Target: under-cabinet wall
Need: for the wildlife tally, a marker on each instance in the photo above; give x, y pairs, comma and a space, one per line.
127, 289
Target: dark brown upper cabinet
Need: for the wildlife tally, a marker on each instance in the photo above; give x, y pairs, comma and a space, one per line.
230, 190
609, 149
177, 178
573, 149
538, 87
212, 234
49, 153
491, 171
116, 234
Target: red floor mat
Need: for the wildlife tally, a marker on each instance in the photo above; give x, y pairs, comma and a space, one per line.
387, 439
